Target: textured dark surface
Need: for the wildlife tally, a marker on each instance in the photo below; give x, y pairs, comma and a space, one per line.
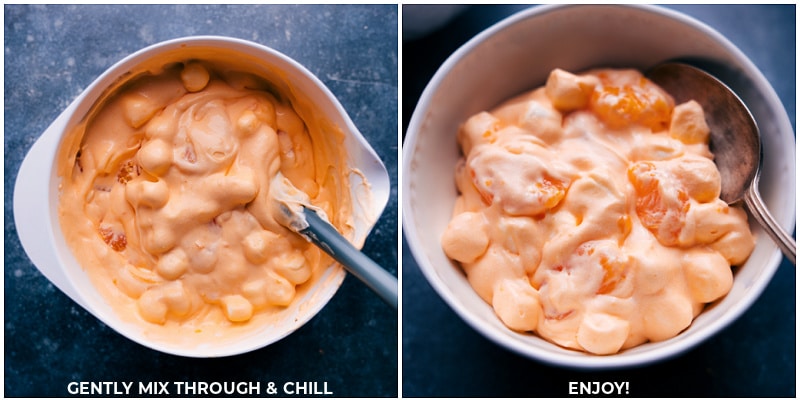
755, 356
53, 52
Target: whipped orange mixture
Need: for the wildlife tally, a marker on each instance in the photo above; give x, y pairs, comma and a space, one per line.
589, 212
165, 197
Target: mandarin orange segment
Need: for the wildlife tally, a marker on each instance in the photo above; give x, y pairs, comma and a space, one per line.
607, 257
662, 216
552, 190
642, 103
625, 226
116, 240
613, 271
128, 171
541, 196
604, 254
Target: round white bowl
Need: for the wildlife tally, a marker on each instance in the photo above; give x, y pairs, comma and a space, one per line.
516, 55
36, 191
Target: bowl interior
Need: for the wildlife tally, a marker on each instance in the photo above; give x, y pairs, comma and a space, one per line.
516, 55
314, 103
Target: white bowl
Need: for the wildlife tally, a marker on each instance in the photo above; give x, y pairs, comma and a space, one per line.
36, 190
516, 55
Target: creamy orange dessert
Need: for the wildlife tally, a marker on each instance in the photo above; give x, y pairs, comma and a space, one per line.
589, 212
165, 198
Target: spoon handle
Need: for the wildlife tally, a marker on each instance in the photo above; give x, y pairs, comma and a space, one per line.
760, 212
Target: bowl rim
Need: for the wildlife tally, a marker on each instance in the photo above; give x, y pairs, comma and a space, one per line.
579, 360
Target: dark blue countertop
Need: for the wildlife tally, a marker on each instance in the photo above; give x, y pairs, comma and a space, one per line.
754, 356
53, 52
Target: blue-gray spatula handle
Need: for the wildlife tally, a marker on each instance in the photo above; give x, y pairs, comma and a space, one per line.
327, 238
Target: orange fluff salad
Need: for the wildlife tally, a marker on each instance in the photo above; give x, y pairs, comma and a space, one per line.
165, 198
589, 212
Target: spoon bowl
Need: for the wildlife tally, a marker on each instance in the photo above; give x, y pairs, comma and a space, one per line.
735, 140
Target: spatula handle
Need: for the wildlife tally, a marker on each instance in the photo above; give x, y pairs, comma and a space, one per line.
327, 238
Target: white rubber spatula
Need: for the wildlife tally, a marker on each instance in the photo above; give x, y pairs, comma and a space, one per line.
293, 209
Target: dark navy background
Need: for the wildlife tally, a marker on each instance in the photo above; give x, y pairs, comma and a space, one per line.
53, 52
754, 356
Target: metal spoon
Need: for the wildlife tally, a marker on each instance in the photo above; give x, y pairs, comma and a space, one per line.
734, 140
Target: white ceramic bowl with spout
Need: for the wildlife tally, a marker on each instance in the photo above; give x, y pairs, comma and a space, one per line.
36, 191
515, 56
